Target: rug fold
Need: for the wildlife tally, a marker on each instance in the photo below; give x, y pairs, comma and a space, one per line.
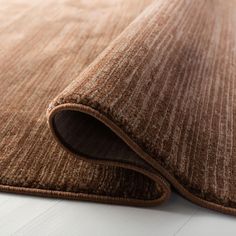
163, 86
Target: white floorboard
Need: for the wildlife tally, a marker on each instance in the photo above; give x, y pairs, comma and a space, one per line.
27, 216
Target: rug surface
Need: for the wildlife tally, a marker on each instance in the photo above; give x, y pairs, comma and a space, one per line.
119, 101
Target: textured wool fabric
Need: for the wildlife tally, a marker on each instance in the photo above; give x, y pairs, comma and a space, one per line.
155, 109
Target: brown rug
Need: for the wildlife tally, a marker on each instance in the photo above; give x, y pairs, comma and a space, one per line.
152, 104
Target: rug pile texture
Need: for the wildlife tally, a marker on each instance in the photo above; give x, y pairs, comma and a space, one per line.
119, 101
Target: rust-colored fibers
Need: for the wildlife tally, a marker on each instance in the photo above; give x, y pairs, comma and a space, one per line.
141, 98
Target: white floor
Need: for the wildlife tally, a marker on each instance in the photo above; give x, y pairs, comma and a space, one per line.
25, 215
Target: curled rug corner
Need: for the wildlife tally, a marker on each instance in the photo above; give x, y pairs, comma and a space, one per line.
160, 101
